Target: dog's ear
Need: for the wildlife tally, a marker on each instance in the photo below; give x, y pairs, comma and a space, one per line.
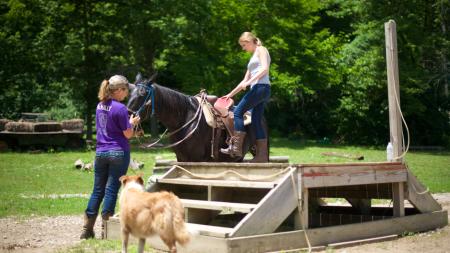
140, 180
123, 179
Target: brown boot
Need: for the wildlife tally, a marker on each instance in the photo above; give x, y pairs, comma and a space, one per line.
262, 154
235, 148
105, 218
88, 227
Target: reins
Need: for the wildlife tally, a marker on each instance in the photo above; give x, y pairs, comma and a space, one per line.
198, 116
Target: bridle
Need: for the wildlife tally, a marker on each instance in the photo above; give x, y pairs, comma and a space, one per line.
150, 98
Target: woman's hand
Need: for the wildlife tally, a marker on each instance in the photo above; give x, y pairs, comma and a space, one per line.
226, 97
134, 120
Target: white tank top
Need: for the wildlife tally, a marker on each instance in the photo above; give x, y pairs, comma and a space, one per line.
254, 65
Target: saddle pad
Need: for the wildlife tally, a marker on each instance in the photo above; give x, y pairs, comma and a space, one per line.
222, 105
207, 112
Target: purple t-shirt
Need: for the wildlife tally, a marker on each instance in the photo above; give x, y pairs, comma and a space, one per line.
112, 120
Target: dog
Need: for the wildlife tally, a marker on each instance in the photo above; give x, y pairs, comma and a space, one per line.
143, 214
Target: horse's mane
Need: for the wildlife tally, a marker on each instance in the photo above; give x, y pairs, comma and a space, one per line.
169, 99
171, 103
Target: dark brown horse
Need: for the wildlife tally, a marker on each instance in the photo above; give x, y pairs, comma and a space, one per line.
178, 113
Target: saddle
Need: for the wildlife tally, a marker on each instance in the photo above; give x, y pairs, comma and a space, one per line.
219, 114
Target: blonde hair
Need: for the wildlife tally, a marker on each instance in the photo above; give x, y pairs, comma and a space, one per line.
250, 37
108, 87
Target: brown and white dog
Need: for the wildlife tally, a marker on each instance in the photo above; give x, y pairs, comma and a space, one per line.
144, 214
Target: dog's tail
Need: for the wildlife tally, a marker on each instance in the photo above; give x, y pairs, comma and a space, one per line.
182, 234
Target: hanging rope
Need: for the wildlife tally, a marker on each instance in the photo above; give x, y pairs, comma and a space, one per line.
223, 173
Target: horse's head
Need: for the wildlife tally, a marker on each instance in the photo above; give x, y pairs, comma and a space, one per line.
141, 98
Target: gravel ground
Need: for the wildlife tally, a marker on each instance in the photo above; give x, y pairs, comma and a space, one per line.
41, 234
47, 234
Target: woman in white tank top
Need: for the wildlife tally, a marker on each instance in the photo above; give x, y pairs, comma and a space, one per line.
257, 77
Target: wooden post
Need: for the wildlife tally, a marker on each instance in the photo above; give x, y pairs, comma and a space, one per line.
398, 199
395, 124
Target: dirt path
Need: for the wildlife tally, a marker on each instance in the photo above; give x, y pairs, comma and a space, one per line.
47, 234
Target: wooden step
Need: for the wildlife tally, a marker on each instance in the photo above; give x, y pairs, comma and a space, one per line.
208, 230
221, 183
227, 207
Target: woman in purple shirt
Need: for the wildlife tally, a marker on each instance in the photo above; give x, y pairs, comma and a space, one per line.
112, 155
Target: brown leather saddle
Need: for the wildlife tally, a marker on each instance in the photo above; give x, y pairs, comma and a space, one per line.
221, 118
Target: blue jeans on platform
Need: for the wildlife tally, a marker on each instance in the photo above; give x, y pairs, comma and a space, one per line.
255, 99
109, 166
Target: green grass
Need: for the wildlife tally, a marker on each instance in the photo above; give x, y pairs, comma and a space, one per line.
27, 180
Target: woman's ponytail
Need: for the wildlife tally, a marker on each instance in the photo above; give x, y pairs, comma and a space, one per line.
258, 42
103, 93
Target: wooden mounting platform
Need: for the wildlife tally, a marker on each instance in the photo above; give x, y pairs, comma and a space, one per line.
244, 207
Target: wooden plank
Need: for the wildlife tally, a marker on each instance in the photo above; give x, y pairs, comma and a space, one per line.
226, 166
222, 183
419, 196
214, 231
324, 236
113, 229
275, 159
247, 172
398, 199
160, 162
301, 219
198, 244
355, 174
352, 164
227, 207
272, 210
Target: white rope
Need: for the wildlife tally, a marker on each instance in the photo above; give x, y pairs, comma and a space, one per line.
223, 173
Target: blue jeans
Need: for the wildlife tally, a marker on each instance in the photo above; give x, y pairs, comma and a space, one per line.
255, 99
109, 166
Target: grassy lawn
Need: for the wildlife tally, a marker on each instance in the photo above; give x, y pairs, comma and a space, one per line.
28, 181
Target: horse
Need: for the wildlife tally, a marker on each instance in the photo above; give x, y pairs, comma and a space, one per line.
189, 134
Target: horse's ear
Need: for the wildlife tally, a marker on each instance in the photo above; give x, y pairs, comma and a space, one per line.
138, 77
153, 77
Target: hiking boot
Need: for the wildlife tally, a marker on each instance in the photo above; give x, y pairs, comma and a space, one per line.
235, 148
88, 227
262, 154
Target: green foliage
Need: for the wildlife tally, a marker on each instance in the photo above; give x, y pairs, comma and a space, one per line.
328, 58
